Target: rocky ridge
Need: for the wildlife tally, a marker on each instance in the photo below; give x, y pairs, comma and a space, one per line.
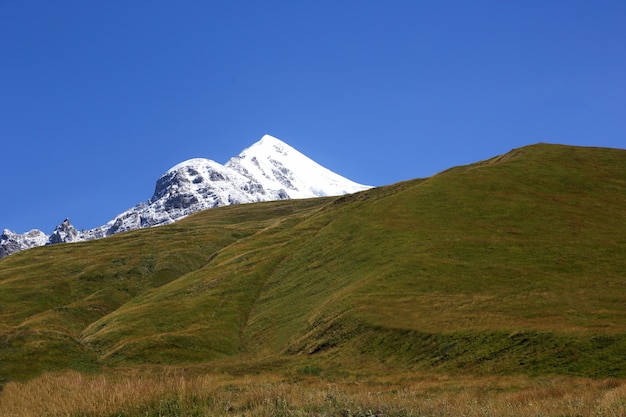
266, 171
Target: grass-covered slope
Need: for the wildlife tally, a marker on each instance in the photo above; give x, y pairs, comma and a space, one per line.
511, 265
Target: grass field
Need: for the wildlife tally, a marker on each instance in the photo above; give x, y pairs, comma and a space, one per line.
511, 268
184, 392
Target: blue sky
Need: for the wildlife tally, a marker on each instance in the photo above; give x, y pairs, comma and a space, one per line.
98, 99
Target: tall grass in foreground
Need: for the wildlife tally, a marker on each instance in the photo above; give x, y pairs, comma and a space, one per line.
176, 394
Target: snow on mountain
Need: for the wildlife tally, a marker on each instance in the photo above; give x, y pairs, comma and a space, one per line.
65, 232
275, 164
268, 170
11, 242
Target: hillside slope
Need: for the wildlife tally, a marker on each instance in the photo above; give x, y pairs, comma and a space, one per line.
510, 265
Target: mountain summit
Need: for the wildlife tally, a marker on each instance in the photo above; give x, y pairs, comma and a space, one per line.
268, 170
277, 165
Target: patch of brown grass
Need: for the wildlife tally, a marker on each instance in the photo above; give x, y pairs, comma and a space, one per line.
178, 393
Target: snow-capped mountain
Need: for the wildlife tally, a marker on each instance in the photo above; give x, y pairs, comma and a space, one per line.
11, 242
276, 165
268, 170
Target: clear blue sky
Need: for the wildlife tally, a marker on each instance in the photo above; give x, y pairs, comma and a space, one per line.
99, 98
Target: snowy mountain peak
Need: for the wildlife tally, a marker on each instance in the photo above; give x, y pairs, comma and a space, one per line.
272, 161
191, 163
269, 140
268, 170
268, 145
65, 232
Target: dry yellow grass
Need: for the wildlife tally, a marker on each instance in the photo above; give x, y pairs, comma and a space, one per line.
179, 393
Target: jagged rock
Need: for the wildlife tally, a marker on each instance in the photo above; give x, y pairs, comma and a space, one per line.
9, 246
11, 242
65, 232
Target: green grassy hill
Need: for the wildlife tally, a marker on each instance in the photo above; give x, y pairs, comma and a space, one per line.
512, 265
